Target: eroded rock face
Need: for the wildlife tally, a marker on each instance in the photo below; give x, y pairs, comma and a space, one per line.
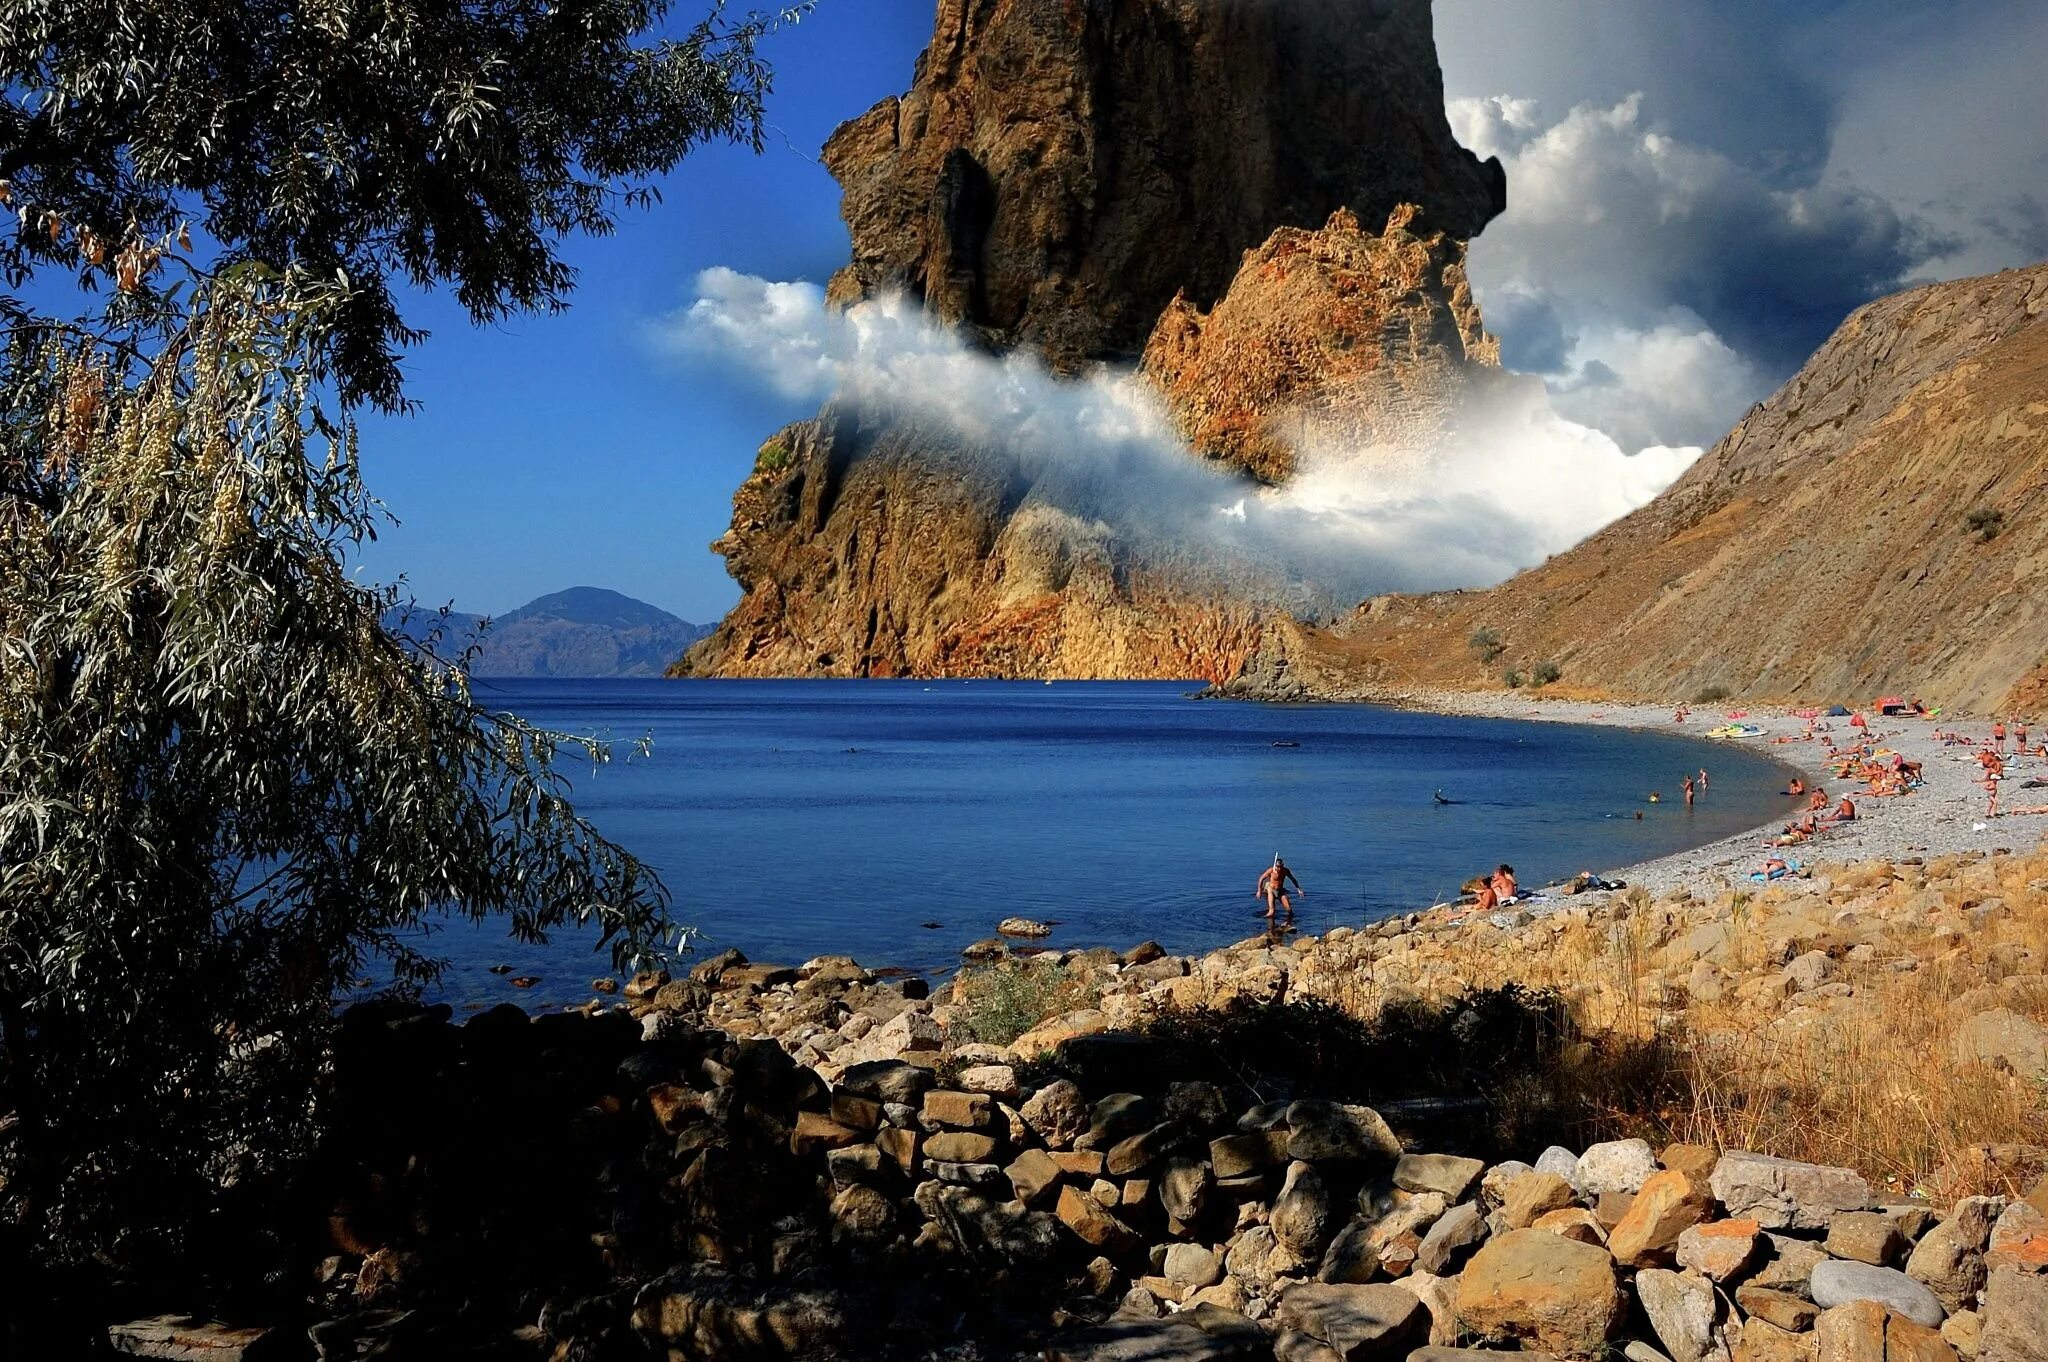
1058, 172
1084, 182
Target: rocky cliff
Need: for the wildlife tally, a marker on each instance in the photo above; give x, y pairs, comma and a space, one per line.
1092, 183
1880, 524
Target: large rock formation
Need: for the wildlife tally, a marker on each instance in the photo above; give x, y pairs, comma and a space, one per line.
1879, 524
1084, 181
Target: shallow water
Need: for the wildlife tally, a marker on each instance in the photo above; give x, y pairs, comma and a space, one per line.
798, 818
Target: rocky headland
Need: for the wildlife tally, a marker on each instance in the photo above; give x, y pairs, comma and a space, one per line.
1131, 182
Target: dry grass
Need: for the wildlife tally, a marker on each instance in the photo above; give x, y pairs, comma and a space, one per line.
1866, 1074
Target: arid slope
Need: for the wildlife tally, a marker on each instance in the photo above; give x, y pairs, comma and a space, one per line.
1880, 524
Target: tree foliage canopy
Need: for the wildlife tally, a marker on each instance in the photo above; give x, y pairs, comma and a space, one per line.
225, 790
429, 140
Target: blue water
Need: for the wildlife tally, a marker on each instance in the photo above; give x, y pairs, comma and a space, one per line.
798, 818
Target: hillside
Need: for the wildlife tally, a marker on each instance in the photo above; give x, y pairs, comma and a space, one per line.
1880, 524
585, 631
1089, 185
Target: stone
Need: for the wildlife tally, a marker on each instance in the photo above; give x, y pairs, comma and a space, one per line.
1192, 1266
1136, 1152
187, 1338
1119, 1116
1785, 1193
1695, 1159
1718, 1249
859, 1165
1085, 1164
1456, 1233
1093, 1224
1448, 1354
1302, 1214
1680, 1308
863, 1214
997, 1080
1865, 1237
1761, 1342
815, 1132
1337, 1132
887, 1081
1493, 1187
1809, 971
1235, 1156
1614, 1166
1573, 1222
2015, 1324
1789, 1265
2020, 1237
1439, 1296
1290, 1345
1864, 1331
855, 1112
1032, 1175
1258, 1259
1184, 1188
1532, 1195
1670, 1203
1837, 1283
959, 1146
986, 1178
1542, 1289
1949, 1259
2004, 1040
1057, 1113
1050, 1034
958, 1110
1125, 1339
1352, 1255
1443, 1173
1561, 1161
1964, 1331
1782, 1308
1358, 1323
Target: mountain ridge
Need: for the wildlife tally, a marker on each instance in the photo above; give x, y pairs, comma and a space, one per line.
580, 631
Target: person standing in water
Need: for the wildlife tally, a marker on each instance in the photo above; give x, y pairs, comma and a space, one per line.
1272, 887
1703, 780
1688, 792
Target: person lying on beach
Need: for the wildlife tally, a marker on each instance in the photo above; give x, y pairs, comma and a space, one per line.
1272, 887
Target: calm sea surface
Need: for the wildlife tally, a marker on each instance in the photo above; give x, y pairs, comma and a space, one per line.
800, 818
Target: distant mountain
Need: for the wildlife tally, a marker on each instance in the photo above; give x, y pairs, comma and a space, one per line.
585, 631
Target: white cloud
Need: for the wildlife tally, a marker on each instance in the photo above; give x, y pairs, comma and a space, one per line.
1101, 449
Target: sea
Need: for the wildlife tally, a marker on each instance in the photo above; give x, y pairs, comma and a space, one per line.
899, 821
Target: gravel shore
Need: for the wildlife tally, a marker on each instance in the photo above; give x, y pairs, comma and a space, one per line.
1947, 814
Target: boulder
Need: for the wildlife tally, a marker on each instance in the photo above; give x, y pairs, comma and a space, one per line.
2015, 1317
1762, 1342
1532, 1195
1785, 1193
1302, 1214
1788, 1266
1670, 1203
887, 1080
1357, 1323
1865, 1237
1136, 1152
1493, 1187
1184, 1188
1949, 1259
1615, 1166
959, 1146
1337, 1132
1093, 1224
1033, 1174
1057, 1113
1257, 1258
187, 1337
2004, 1040
1864, 1331
957, 1110
2019, 1236
1142, 1340
1561, 1161
1836, 1282
1192, 1266
1050, 1034
1542, 1289
997, 1080
1680, 1308
1718, 1249
1452, 1177
1456, 1233
1781, 1308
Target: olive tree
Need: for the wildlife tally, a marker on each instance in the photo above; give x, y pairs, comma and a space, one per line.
225, 789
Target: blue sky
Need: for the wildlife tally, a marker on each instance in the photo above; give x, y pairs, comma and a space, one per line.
567, 450
1697, 190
